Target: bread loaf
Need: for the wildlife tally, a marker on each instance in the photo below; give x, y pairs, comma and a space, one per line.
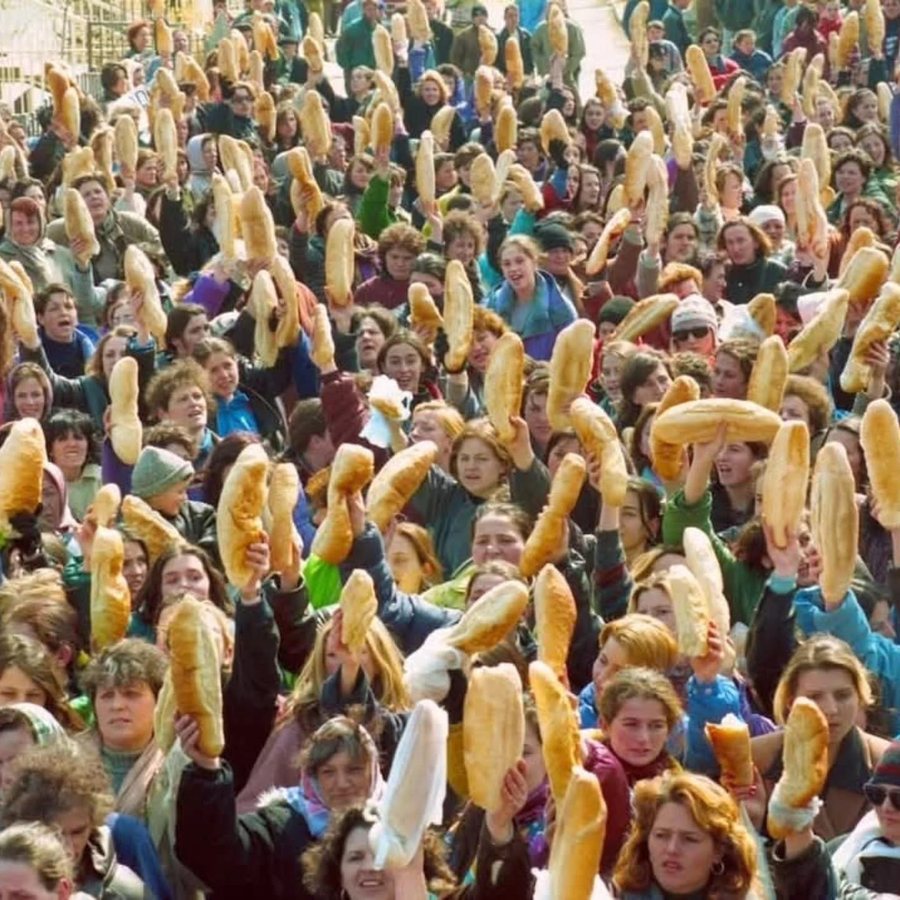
553, 128
264, 37
507, 129
102, 148
503, 384
399, 35
698, 422
315, 125
458, 315
559, 728
351, 470
334, 537
730, 740
110, 596
239, 513
598, 436
698, 67
531, 193
340, 263
313, 53
668, 459
646, 315
69, 114
657, 209
241, 50
815, 148
863, 276
19, 301
396, 482
425, 172
423, 312
196, 674
75, 164
821, 333
615, 225
441, 123
487, 44
224, 225
417, 17
785, 481
359, 608
22, 459
763, 311
554, 616
383, 49
734, 114
834, 518
125, 430
847, 40
264, 113
310, 194
637, 164
232, 156
792, 73
704, 565
163, 35
557, 30
515, 66
692, 615
262, 306
149, 526
258, 226
490, 618
879, 324
189, 71
105, 507
283, 493
570, 370
875, 29
769, 375
880, 439
141, 279
482, 179
493, 731
80, 225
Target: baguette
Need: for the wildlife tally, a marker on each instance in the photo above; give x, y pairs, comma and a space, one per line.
834, 519
149, 526
771, 124
224, 224
615, 225
553, 128
847, 40
637, 164
287, 332
125, 432
692, 614
646, 315
812, 222
698, 67
637, 31
885, 98
283, 494
558, 726
22, 459
730, 741
557, 31
503, 384
386, 92
196, 674
657, 207
241, 50
875, 28
69, 113
543, 542
232, 155
483, 91
507, 131
805, 758
382, 129
493, 731
578, 843
554, 616
315, 28
264, 37
880, 439
300, 167
423, 313
417, 18
340, 262
487, 44
102, 148
862, 236
425, 178
399, 34
263, 304
23, 289
441, 123
256, 75
764, 311
189, 71
105, 506
239, 513
811, 78
668, 459
878, 325
515, 66
698, 422
396, 482
265, 115
598, 436
359, 607
458, 315
322, 350
313, 53
482, 178
57, 83
334, 537
815, 147
163, 36
141, 279
110, 597
166, 141
769, 375
490, 618
531, 193
360, 135
383, 49
734, 112
258, 226
570, 370
785, 482
315, 125
792, 73
821, 333
865, 273
717, 144
20, 302
79, 224
704, 565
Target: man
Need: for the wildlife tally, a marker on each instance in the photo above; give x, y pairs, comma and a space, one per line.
354, 47
465, 53
512, 28
542, 51
441, 33
673, 22
234, 115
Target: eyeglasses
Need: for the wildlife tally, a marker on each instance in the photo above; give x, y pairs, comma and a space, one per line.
877, 793
695, 333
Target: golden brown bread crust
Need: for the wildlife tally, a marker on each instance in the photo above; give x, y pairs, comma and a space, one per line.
847, 39
490, 618
423, 312
487, 43
733, 110
334, 537
417, 18
880, 439
383, 49
79, 224
166, 141
515, 66
835, 520
730, 740
544, 541
284, 490
862, 236
149, 526
263, 303
792, 74
570, 370
22, 459
668, 459
553, 128
785, 481
340, 262
322, 351
196, 677
397, 481
878, 325
110, 596
559, 728
141, 278
258, 226
381, 132
311, 51
692, 616
425, 170
482, 179
105, 508
614, 226
554, 618
701, 560
315, 125
441, 124
351, 470
226, 215
698, 67
493, 731
698, 422
821, 333
645, 315
769, 375
503, 384
239, 513
557, 30
864, 275
763, 311
458, 315
598, 436
875, 28
637, 164
399, 32
125, 430
805, 758
359, 607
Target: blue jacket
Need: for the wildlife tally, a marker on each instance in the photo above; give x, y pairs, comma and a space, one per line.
549, 313
757, 63
531, 13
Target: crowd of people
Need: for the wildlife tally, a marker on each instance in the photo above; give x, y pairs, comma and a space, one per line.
194, 258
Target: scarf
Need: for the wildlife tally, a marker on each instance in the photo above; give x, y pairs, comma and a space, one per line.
865, 842
36, 260
663, 763
529, 822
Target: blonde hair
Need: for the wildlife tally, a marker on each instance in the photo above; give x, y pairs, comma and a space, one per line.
712, 808
449, 418
645, 640
656, 580
819, 652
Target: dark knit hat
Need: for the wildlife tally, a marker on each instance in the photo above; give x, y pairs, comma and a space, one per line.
479, 10
157, 470
887, 772
552, 236
615, 309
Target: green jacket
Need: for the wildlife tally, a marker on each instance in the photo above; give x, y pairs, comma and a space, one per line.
354, 47
743, 585
466, 51
541, 51
374, 214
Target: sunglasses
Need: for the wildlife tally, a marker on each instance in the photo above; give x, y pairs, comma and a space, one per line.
696, 333
877, 793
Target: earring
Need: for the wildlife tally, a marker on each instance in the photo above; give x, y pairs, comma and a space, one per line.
718, 867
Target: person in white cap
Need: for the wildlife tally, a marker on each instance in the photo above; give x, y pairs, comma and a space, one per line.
772, 221
694, 326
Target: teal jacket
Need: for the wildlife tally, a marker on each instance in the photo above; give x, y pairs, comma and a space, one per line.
354, 47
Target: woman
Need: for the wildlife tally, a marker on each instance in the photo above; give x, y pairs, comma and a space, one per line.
640, 518
528, 300
732, 367
824, 669
421, 105
398, 246
72, 445
411, 558
406, 359
687, 840
610, 379
807, 401
65, 788
29, 394
595, 129
466, 390
734, 493
313, 700
721, 67
203, 157
786, 198
34, 863
864, 212
369, 329
435, 421
287, 128
587, 197
851, 180
872, 139
645, 378
259, 852
47, 263
752, 271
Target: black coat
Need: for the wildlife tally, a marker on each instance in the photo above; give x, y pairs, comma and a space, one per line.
188, 249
